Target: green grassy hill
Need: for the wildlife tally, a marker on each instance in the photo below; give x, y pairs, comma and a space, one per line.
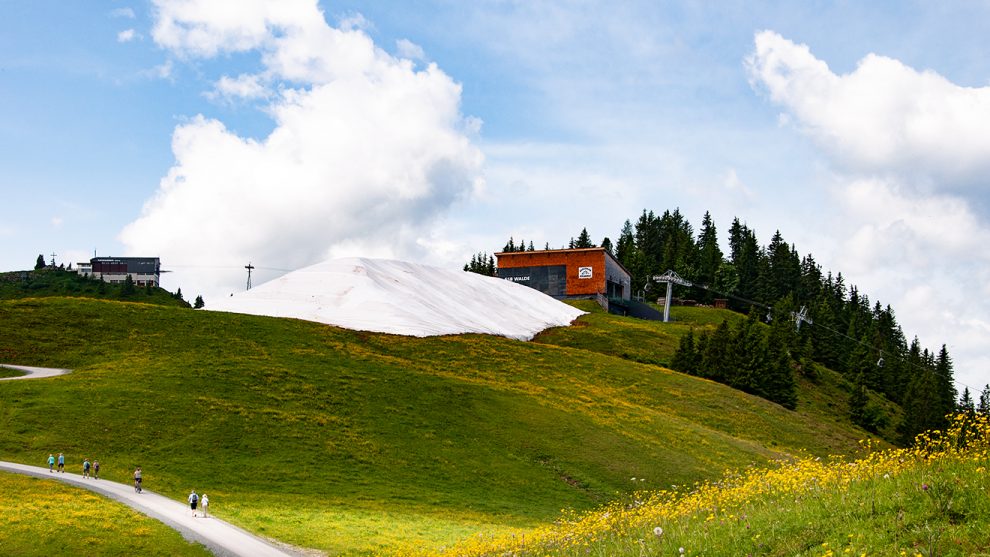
59, 282
354, 442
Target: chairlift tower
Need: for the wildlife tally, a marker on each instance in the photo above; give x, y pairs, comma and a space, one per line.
249, 267
801, 317
670, 277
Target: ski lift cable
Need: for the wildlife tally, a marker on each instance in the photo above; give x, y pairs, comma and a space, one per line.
819, 325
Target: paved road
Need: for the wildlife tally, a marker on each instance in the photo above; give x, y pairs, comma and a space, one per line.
34, 372
222, 538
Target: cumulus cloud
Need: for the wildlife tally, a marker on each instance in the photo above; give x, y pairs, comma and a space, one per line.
245, 86
366, 151
909, 149
882, 117
126, 36
408, 49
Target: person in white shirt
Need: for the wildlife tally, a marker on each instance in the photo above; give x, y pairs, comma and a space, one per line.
205, 503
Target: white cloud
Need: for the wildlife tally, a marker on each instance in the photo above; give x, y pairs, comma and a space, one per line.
882, 117
56, 222
909, 149
127, 13
408, 49
126, 36
244, 86
365, 155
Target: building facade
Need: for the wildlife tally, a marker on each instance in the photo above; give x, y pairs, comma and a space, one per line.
142, 270
567, 273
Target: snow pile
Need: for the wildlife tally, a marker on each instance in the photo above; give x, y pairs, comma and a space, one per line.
404, 299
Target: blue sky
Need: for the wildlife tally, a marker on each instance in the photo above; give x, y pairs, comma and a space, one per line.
854, 128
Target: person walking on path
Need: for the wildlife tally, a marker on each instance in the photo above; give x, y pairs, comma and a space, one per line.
51, 463
96, 470
86, 466
193, 500
205, 503
137, 479
61, 463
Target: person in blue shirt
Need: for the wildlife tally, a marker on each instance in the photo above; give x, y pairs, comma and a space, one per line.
61, 463
51, 463
86, 466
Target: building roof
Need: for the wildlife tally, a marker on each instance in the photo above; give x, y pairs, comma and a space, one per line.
562, 251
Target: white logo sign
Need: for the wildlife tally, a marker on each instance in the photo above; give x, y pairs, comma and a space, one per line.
584, 272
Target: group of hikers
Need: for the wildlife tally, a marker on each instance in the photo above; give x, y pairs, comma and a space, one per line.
87, 467
94, 467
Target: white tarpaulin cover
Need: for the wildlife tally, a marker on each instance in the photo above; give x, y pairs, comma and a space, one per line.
403, 298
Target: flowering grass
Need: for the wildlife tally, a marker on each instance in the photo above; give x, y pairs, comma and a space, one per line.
353, 442
931, 500
43, 517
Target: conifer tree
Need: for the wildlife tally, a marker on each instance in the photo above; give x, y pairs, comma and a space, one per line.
686, 359
984, 406
39, 263
531, 248
583, 240
199, 303
966, 402
709, 256
128, 288
920, 414
714, 363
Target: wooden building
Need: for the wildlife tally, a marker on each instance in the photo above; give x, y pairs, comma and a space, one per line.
567, 273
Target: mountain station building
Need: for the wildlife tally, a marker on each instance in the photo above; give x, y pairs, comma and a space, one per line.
142, 270
568, 273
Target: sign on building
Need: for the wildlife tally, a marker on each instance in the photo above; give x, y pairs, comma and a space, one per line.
584, 272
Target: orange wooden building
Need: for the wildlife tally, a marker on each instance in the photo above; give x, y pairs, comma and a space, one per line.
567, 273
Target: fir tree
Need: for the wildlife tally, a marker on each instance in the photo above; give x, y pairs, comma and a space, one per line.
583, 240
966, 402
199, 303
178, 295
920, 414
530, 248
984, 407
686, 359
40, 263
128, 288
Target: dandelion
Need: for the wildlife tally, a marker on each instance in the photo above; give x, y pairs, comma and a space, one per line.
658, 531
680, 550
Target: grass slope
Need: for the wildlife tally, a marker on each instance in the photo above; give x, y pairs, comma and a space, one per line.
822, 396
353, 442
59, 282
43, 517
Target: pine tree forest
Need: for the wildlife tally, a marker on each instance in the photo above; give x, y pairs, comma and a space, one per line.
848, 332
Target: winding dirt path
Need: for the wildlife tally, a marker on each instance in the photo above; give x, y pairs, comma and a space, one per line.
221, 538
34, 372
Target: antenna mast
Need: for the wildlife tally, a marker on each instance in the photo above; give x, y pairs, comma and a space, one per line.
249, 267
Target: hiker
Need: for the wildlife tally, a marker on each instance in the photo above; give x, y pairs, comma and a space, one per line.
193, 500
51, 463
205, 503
137, 479
86, 466
96, 470
61, 463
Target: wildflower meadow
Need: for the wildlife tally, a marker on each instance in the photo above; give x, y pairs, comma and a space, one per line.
931, 499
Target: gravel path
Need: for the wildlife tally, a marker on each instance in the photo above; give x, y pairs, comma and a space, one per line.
33, 372
221, 538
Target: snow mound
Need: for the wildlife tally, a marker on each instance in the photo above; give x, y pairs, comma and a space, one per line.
404, 299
